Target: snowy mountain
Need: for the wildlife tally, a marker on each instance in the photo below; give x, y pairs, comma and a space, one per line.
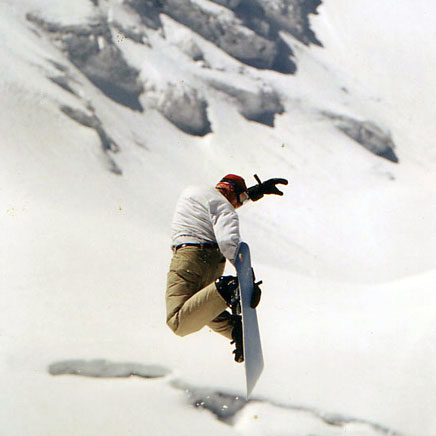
112, 107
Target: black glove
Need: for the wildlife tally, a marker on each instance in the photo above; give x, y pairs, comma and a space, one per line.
256, 192
257, 293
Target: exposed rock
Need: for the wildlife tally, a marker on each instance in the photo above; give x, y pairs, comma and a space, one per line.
227, 407
223, 30
182, 106
104, 368
234, 39
366, 133
132, 33
260, 106
93, 122
148, 10
231, 4
191, 49
291, 16
64, 83
223, 405
91, 49
59, 67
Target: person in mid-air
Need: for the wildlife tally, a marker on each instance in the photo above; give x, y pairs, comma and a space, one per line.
205, 232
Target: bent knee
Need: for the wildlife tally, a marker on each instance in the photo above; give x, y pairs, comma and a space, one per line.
181, 328
173, 324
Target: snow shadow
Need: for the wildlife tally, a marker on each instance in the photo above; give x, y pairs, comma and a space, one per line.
231, 408
104, 368
366, 133
90, 47
236, 411
93, 122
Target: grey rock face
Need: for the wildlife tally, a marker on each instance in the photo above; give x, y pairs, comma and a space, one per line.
148, 10
91, 49
104, 368
260, 49
226, 406
291, 16
63, 82
261, 106
131, 33
234, 39
185, 108
368, 134
231, 4
93, 122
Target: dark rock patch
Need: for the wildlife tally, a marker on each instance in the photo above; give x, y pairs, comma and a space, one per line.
91, 49
248, 47
149, 11
260, 107
366, 133
132, 33
235, 38
288, 15
226, 406
93, 122
60, 67
185, 108
105, 368
231, 4
64, 83
223, 405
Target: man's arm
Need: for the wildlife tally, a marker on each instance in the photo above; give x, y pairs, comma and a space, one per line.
225, 223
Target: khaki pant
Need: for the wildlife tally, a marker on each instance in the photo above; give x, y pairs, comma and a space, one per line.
192, 299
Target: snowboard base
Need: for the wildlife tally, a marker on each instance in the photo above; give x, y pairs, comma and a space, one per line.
253, 356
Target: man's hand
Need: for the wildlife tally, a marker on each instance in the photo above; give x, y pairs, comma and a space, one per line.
256, 192
257, 293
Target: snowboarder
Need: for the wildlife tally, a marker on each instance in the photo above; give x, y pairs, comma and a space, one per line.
205, 232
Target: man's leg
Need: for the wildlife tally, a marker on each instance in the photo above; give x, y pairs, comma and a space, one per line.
197, 311
192, 298
222, 324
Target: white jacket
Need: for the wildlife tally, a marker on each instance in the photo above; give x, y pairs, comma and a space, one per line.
204, 215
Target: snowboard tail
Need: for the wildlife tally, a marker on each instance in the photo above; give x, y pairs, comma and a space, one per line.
253, 355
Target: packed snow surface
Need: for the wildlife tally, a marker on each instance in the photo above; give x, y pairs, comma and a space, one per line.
88, 185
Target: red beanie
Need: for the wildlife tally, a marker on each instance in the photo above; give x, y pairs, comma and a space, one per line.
236, 182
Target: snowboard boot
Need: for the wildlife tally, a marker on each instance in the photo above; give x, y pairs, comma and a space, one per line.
228, 287
237, 338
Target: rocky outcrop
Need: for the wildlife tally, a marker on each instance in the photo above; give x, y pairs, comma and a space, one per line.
366, 133
93, 122
105, 368
282, 15
231, 4
264, 50
227, 407
236, 40
260, 106
182, 105
91, 49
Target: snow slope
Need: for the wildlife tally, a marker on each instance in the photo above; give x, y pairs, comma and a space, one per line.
347, 256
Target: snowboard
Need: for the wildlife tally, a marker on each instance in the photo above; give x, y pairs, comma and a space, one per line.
253, 356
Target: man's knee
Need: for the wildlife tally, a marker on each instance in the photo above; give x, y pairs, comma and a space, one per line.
178, 328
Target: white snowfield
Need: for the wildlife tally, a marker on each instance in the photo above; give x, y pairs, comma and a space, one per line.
347, 256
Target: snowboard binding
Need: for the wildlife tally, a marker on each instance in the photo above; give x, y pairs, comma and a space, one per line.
237, 338
228, 287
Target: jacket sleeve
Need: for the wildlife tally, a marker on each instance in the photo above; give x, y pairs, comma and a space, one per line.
225, 223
